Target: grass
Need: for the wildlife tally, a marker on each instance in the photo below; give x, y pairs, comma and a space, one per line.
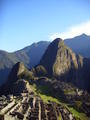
69, 91
46, 98
59, 117
78, 115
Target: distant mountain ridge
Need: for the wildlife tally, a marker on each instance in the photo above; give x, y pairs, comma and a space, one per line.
80, 45
58, 62
30, 56
33, 53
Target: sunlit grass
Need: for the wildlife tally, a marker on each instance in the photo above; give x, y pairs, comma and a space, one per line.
78, 115
46, 98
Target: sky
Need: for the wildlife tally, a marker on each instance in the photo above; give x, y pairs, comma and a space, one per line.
23, 22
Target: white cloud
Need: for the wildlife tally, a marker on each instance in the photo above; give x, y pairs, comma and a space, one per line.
73, 31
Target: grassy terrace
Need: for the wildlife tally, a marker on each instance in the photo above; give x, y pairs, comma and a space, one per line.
78, 115
40, 91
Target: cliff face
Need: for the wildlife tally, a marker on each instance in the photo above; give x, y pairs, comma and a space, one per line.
19, 71
18, 80
62, 63
59, 59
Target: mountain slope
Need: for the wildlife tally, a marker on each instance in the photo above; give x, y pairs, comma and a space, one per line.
80, 45
7, 60
58, 58
62, 63
30, 56
16, 80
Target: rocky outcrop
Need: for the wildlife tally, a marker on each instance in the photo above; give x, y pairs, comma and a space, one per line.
18, 80
19, 71
62, 63
59, 59
20, 87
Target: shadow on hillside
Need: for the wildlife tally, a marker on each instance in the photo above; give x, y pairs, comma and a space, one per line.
4, 75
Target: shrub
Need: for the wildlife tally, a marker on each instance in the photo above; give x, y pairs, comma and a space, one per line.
26, 75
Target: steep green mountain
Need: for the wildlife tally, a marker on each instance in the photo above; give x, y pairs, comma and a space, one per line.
80, 45
62, 63
30, 56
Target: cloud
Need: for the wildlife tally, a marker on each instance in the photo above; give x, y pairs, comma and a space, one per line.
73, 31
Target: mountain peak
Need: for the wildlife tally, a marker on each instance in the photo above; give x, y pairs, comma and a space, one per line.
58, 58
83, 34
58, 40
17, 69
56, 43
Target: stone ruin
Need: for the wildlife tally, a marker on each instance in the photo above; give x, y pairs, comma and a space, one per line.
31, 107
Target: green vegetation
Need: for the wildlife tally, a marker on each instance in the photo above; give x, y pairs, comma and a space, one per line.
69, 91
78, 105
26, 75
40, 71
78, 115
44, 97
59, 117
41, 90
